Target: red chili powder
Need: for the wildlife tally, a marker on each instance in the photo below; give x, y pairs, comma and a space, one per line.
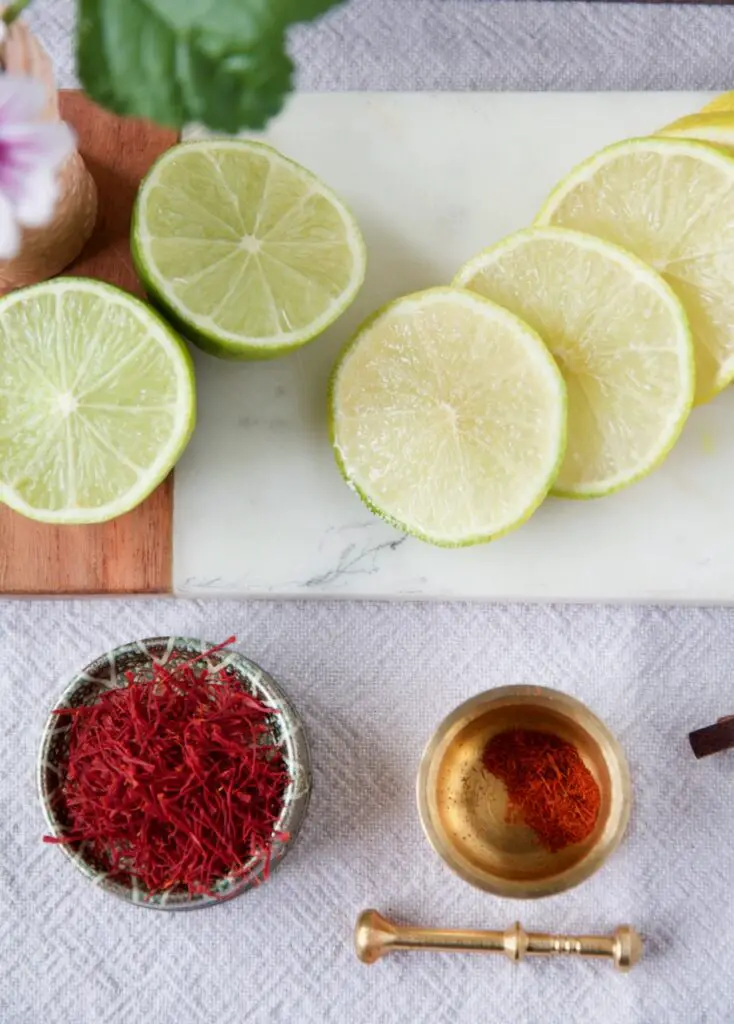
174, 780
549, 788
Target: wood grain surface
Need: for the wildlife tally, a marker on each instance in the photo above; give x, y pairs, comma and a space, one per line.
131, 554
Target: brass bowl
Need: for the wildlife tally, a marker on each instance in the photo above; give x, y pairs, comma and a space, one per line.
463, 808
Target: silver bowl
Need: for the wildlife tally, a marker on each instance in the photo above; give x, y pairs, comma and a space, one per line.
107, 672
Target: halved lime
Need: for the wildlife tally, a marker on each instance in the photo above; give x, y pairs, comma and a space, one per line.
671, 202
96, 401
248, 253
448, 417
620, 337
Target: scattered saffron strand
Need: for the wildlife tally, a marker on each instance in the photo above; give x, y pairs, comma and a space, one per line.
549, 788
175, 779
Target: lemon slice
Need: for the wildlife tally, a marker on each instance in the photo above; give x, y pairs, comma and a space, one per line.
671, 202
248, 253
448, 417
716, 128
620, 338
720, 103
96, 401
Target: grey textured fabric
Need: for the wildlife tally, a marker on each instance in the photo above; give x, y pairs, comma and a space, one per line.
482, 44
373, 680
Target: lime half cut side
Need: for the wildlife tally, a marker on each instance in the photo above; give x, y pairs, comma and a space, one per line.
620, 337
247, 252
448, 417
97, 401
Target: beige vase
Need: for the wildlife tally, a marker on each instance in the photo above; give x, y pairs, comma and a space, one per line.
48, 250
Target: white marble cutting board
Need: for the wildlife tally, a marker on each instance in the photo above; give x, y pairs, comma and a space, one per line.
260, 509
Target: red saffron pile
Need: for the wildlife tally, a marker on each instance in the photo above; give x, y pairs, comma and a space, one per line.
174, 780
549, 788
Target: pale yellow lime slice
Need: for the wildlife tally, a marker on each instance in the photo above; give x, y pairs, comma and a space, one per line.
620, 337
96, 401
448, 417
716, 128
248, 253
671, 202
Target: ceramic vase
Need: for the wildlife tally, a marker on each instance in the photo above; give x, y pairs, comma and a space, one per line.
47, 250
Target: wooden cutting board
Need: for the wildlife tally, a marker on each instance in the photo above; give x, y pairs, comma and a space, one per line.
131, 554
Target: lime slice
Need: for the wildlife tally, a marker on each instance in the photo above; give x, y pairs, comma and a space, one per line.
671, 202
448, 417
248, 253
716, 128
720, 103
96, 401
620, 338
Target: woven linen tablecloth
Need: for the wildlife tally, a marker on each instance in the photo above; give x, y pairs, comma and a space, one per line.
373, 680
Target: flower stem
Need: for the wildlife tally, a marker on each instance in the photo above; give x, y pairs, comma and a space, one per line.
13, 10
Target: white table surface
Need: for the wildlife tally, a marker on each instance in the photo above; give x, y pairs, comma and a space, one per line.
372, 681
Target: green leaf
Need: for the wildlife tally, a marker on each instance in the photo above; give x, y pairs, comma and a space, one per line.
222, 63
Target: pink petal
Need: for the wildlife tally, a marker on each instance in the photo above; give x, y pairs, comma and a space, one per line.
22, 98
36, 145
34, 207
30, 154
12, 182
29, 158
9, 231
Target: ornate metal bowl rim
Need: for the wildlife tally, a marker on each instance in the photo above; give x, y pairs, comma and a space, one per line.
102, 674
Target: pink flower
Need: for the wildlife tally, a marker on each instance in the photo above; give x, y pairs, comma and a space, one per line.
31, 152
